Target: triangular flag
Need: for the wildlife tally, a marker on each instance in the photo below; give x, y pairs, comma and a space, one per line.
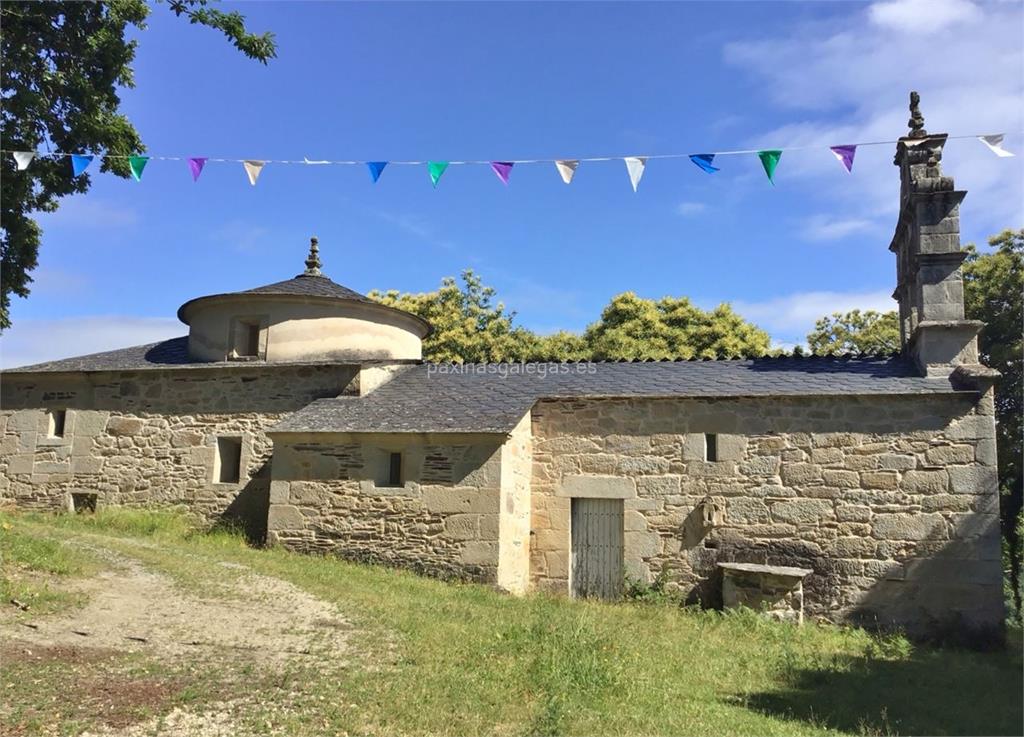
436, 169
704, 162
503, 169
253, 169
137, 164
376, 167
994, 143
567, 168
23, 158
79, 163
635, 166
845, 155
196, 164
769, 160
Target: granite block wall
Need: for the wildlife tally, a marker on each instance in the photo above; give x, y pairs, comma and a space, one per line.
150, 437
891, 501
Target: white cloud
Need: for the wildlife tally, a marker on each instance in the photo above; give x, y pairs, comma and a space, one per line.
36, 340
922, 16
823, 228
690, 208
850, 77
790, 317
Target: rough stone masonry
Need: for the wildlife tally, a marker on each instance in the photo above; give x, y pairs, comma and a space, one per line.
304, 410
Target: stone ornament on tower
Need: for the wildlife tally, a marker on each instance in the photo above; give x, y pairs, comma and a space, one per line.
313, 260
916, 122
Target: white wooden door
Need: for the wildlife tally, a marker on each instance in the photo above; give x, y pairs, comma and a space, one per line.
596, 548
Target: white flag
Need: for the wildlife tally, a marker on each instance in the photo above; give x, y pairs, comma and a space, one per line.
253, 169
995, 145
635, 166
23, 159
567, 168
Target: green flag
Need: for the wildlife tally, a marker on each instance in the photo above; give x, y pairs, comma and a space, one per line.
769, 160
436, 169
137, 164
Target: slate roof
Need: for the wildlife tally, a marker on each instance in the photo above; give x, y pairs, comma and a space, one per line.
478, 399
167, 354
306, 285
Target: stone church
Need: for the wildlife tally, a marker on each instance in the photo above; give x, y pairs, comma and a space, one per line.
854, 488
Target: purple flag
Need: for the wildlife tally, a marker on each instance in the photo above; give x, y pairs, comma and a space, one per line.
503, 169
196, 165
845, 155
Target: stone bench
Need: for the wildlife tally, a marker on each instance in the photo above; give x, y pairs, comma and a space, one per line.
777, 591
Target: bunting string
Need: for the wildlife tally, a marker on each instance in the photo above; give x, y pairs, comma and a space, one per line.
566, 167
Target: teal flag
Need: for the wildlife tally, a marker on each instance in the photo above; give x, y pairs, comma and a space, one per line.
79, 163
436, 169
137, 164
770, 160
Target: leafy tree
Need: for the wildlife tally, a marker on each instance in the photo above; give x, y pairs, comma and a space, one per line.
993, 289
635, 328
63, 65
855, 332
468, 326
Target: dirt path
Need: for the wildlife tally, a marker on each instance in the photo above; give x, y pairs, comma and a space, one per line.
232, 620
133, 609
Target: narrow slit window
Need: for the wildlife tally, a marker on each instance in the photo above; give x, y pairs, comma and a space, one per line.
228, 467
252, 340
57, 420
710, 447
395, 469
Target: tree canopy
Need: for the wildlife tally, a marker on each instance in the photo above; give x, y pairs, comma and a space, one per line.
469, 326
64, 64
855, 332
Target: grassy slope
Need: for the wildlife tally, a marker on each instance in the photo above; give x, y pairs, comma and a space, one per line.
459, 659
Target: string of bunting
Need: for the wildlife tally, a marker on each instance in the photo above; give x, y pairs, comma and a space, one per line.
635, 165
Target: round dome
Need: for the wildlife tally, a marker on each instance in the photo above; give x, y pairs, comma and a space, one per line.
308, 318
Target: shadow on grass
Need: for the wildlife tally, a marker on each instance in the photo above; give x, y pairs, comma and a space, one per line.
930, 691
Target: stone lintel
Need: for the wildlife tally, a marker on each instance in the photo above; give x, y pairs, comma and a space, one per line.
597, 487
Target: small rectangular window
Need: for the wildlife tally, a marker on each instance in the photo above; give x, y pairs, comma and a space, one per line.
57, 420
228, 465
252, 340
710, 447
395, 469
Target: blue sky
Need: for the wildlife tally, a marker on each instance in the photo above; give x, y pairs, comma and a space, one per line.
519, 80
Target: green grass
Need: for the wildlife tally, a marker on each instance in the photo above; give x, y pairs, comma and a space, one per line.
32, 567
442, 658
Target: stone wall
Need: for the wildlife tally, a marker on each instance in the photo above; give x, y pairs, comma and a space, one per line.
330, 495
150, 437
514, 520
891, 501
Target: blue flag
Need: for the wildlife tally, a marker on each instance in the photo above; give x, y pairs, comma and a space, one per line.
79, 163
376, 167
704, 162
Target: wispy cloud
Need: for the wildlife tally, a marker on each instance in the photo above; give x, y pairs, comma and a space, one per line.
895, 44
823, 228
47, 280
790, 317
34, 341
687, 209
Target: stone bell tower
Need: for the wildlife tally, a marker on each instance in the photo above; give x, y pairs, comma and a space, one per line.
929, 282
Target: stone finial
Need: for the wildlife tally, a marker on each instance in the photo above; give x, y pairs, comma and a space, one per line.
313, 259
916, 121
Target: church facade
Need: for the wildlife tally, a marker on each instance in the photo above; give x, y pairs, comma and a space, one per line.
304, 410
